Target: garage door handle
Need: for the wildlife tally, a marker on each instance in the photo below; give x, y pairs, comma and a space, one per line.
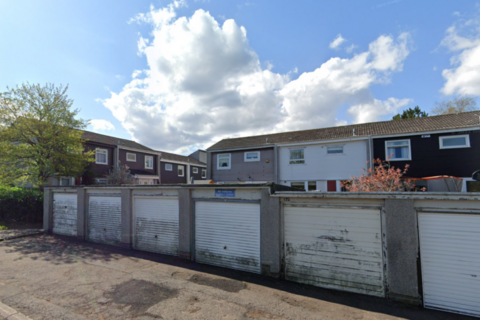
156, 236
225, 247
105, 230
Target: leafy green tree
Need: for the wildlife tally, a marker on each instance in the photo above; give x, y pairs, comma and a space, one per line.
456, 105
40, 136
411, 113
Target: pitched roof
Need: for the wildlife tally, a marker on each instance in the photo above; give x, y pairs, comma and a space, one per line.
435, 123
176, 157
101, 138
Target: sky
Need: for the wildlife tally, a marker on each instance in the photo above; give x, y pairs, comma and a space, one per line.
181, 75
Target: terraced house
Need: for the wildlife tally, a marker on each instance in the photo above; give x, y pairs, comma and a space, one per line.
319, 159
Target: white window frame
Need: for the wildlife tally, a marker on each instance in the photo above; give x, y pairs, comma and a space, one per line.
100, 150
148, 157
337, 146
194, 170
131, 154
168, 164
183, 171
204, 173
65, 178
467, 141
290, 156
229, 161
251, 160
399, 159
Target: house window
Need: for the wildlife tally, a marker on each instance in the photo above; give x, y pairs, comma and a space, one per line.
204, 173
298, 185
131, 157
101, 156
334, 149
297, 156
168, 167
181, 172
252, 156
64, 181
148, 162
195, 170
452, 142
398, 150
224, 161
101, 181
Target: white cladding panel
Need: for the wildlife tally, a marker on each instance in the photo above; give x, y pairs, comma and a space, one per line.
65, 214
335, 248
450, 258
156, 225
227, 234
322, 166
104, 219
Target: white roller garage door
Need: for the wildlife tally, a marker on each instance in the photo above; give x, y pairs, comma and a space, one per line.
156, 225
450, 258
335, 248
104, 219
227, 234
65, 214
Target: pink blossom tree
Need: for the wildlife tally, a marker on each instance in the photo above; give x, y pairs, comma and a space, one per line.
381, 178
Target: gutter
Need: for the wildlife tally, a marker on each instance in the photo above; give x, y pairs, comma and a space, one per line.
240, 149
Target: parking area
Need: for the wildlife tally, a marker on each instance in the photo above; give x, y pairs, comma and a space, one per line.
54, 277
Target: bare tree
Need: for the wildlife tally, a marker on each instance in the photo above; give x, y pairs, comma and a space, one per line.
120, 175
456, 105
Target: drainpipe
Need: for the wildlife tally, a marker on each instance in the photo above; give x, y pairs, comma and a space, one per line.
159, 168
117, 155
370, 152
275, 150
188, 172
209, 165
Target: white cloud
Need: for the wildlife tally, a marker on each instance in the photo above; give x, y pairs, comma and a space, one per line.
464, 76
205, 83
101, 125
136, 73
337, 42
350, 48
370, 111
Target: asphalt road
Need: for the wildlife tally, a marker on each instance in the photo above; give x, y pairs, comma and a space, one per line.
51, 277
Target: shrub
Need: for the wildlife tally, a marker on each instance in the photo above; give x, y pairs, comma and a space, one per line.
382, 178
21, 204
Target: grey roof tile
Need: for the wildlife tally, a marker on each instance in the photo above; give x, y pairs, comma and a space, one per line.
434, 123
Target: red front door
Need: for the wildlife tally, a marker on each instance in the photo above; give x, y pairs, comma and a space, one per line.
332, 185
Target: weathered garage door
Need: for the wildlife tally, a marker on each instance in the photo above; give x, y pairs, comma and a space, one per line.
65, 214
450, 258
104, 219
227, 234
156, 225
335, 248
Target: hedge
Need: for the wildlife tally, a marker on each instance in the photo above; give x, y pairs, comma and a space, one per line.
21, 204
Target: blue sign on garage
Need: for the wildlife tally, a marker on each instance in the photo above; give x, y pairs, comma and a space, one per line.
224, 193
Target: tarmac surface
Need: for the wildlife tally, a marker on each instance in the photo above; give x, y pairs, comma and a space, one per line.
53, 277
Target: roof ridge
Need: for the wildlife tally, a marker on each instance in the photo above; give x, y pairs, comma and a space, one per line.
105, 135
356, 124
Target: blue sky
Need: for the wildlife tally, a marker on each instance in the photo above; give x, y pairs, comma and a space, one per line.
178, 76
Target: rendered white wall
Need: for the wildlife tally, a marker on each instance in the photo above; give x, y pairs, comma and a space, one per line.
322, 166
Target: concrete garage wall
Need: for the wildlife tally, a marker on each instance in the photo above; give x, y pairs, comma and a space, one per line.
402, 249
398, 215
400, 235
